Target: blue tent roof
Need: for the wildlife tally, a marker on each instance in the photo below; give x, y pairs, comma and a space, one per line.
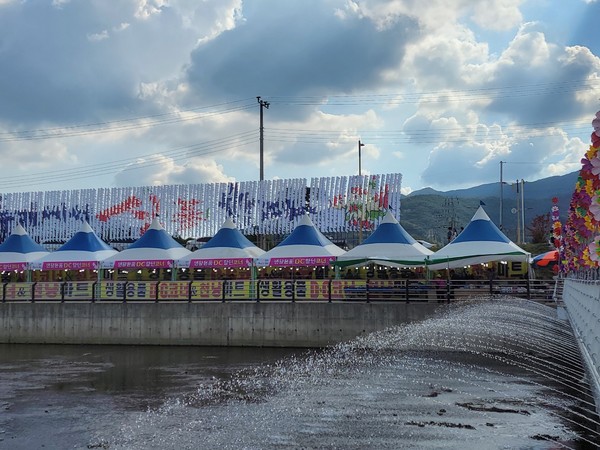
83, 250
155, 248
228, 246
85, 240
481, 241
389, 231
389, 244
481, 229
155, 237
228, 236
305, 242
306, 234
20, 242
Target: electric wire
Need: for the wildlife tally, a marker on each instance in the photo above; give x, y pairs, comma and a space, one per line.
139, 162
299, 136
115, 126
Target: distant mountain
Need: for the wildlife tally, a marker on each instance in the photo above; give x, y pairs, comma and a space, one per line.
427, 213
558, 185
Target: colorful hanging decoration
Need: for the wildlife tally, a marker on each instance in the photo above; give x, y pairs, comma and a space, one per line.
557, 233
198, 210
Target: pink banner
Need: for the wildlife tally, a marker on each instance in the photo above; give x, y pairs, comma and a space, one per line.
301, 261
144, 264
220, 262
13, 266
70, 265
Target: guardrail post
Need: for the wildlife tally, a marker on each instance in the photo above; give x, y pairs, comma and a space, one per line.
4, 292
224, 283
293, 291
156, 293
62, 291
367, 291
94, 291
329, 291
33, 292
528, 289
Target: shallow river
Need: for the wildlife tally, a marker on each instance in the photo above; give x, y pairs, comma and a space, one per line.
496, 375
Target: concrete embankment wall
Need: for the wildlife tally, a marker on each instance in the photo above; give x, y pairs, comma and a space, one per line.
265, 324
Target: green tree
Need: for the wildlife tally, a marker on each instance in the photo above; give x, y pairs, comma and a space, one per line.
540, 228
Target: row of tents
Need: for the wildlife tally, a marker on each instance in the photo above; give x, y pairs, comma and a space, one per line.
389, 245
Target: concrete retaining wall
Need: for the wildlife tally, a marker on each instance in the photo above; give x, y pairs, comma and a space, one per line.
276, 324
582, 300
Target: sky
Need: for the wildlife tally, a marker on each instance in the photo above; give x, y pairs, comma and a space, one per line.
151, 92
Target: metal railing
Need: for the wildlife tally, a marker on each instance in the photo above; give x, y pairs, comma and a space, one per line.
403, 290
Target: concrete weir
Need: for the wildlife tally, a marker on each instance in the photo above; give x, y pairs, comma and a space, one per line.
250, 324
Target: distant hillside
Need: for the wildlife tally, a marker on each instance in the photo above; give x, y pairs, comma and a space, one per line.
427, 213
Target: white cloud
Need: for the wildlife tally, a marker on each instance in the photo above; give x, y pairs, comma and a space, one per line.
493, 14
56, 3
148, 8
322, 64
121, 27
97, 37
161, 170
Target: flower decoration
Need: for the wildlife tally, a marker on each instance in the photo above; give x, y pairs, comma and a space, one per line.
580, 248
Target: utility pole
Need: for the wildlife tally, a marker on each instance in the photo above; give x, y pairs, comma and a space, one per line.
518, 211
501, 193
523, 210
263, 105
360, 217
360, 145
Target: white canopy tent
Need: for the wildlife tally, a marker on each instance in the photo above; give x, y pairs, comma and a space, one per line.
18, 250
83, 251
227, 248
305, 246
388, 245
480, 242
155, 249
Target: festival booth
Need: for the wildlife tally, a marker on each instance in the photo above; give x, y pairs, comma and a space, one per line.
376, 262
223, 266
227, 255
70, 272
16, 252
299, 266
136, 272
476, 248
389, 245
480, 242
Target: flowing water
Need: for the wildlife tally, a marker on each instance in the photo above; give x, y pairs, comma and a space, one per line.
501, 374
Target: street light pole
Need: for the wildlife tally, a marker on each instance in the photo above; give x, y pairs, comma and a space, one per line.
360, 145
360, 217
501, 193
523, 210
263, 105
518, 212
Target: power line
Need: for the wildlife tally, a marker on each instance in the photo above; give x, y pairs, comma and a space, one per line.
421, 136
93, 170
118, 125
443, 95
288, 135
